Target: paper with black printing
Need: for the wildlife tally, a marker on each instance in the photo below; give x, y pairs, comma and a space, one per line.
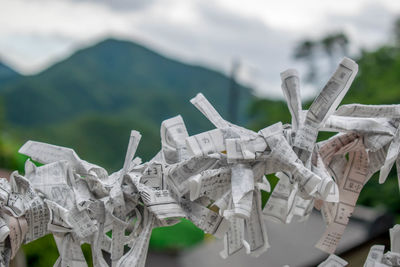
214, 178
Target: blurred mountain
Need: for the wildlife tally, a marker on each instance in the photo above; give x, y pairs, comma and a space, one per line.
91, 100
7, 73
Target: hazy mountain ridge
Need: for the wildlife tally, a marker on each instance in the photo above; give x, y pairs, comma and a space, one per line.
7, 74
120, 81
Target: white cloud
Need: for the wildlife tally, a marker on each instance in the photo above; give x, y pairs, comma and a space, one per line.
262, 34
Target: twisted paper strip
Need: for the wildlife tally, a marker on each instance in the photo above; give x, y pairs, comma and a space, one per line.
376, 256
213, 178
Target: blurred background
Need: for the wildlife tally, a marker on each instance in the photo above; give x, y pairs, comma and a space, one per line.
83, 73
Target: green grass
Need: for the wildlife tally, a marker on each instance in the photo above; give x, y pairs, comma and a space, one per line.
273, 181
41, 252
173, 238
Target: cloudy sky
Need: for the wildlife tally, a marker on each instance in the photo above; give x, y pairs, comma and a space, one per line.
261, 34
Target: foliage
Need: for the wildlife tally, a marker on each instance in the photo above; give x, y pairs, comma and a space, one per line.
265, 112
378, 81
166, 238
42, 252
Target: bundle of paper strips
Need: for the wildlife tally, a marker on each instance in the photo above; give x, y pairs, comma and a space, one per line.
214, 179
376, 256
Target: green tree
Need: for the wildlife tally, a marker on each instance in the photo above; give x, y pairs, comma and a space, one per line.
334, 45
305, 51
396, 32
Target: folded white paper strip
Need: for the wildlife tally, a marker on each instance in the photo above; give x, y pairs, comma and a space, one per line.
377, 256
214, 179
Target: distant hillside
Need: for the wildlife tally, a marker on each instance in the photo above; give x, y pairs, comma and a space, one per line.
116, 85
7, 73
110, 77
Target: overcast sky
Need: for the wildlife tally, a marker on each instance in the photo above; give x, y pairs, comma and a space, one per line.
261, 34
